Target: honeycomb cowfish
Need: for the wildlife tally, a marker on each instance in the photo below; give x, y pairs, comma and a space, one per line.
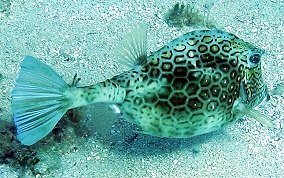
197, 83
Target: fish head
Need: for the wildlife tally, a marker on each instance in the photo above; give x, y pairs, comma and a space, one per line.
253, 90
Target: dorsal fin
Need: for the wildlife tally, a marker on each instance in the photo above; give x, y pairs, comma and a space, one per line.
132, 50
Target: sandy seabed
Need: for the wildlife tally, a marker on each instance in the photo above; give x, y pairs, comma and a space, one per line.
77, 37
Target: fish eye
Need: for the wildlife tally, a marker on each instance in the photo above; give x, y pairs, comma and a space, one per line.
255, 58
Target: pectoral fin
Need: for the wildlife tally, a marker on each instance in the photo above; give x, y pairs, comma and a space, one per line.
263, 119
239, 107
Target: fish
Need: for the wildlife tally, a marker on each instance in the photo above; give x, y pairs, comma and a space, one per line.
199, 82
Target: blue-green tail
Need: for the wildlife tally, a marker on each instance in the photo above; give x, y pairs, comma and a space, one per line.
38, 102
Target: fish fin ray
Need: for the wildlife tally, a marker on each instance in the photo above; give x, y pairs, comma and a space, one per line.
37, 100
102, 116
263, 119
243, 109
132, 49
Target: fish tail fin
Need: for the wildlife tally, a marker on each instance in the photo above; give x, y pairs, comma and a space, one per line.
38, 100
132, 49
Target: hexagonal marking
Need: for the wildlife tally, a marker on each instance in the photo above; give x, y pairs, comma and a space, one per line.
233, 74
179, 83
216, 77
168, 76
202, 48
225, 82
225, 68
180, 59
192, 54
154, 73
234, 62
222, 58
230, 100
163, 105
231, 87
212, 105
194, 104
207, 58
204, 94
164, 92
192, 88
194, 76
151, 98
178, 98
226, 48
205, 81
214, 48
154, 61
180, 71
166, 66
215, 90
223, 96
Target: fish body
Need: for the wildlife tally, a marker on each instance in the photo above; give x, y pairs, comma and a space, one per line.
198, 83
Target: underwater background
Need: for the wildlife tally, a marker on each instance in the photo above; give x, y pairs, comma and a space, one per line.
78, 36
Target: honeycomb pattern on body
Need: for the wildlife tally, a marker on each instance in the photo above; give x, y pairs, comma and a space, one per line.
188, 87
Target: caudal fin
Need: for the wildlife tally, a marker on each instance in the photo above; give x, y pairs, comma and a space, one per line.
37, 100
